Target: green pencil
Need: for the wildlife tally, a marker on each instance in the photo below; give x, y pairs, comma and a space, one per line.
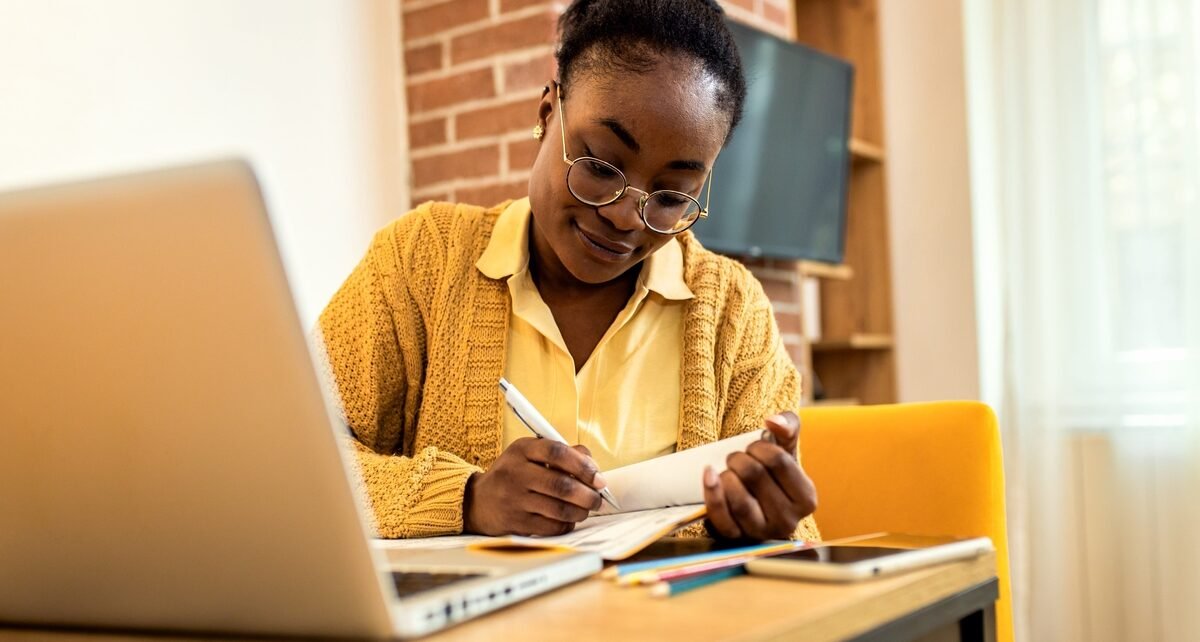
670, 589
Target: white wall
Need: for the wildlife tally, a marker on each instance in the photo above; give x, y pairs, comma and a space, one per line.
308, 91
929, 199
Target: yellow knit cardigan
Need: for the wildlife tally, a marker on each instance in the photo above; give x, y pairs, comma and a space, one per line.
415, 343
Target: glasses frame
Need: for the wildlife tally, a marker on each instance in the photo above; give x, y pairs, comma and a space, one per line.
645, 196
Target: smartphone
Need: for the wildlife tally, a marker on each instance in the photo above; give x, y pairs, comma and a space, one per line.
868, 556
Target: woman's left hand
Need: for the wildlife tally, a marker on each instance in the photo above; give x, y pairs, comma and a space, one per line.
763, 493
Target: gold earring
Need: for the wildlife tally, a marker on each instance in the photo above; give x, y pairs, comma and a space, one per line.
539, 131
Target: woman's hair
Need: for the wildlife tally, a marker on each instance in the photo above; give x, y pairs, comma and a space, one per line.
605, 36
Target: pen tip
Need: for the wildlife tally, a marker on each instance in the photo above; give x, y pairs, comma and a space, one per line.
503, 384
608, 496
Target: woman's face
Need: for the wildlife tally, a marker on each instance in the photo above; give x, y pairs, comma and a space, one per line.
662, 129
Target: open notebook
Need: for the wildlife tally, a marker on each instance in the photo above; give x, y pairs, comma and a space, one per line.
657, 497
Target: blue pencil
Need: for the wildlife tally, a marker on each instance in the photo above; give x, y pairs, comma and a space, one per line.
669, 589
695, 558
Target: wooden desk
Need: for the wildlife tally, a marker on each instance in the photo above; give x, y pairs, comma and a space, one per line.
912, 606
750, 608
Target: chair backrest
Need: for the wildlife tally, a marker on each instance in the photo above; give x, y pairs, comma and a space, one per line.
921, 469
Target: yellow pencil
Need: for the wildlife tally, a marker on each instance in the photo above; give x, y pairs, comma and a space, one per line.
651, 575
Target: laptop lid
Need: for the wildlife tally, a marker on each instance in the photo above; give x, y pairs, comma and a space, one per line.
167, 460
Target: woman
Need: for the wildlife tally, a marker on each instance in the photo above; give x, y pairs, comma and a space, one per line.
589, 296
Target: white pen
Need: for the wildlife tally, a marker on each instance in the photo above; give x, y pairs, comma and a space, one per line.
538, 425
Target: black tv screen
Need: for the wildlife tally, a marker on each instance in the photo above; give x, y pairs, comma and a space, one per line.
779, 186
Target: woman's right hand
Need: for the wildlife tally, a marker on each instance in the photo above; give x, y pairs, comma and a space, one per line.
535, 487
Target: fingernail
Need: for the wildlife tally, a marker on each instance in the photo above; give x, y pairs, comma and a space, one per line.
710, 477
599, 482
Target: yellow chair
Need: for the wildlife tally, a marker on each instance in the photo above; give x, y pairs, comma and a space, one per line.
921, 469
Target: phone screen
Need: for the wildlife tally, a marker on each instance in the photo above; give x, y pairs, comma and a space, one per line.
840, 554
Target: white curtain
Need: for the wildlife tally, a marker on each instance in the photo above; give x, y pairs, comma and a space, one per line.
1085, 137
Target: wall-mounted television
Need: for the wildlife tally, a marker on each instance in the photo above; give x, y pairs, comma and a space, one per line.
779, 186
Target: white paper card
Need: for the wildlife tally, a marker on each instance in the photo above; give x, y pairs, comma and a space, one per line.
671, 480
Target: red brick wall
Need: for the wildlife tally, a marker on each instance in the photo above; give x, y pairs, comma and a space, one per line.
474, 73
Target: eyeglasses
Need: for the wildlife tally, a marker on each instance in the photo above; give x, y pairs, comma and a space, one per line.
597, 183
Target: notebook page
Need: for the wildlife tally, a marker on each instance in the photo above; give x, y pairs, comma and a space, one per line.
613, 537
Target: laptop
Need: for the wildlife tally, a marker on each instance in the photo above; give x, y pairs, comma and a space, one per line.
168, 460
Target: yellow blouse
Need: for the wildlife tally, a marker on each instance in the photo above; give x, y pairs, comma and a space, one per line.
623, 404
416, 339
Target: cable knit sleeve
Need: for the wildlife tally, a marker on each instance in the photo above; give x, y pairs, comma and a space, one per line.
764, 380
373, 341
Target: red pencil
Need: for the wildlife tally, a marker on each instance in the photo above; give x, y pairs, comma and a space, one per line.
706, 567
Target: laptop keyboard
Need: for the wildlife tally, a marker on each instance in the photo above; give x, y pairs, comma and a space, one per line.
410, 583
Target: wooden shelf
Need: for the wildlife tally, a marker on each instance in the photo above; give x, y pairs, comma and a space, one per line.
854, 342
826, 270
863, 152
825, 403
856, 361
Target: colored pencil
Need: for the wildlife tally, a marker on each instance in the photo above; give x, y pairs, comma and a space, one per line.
620, 570
671, 589
651, 576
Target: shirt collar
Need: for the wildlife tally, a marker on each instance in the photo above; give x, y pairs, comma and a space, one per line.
507, 253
